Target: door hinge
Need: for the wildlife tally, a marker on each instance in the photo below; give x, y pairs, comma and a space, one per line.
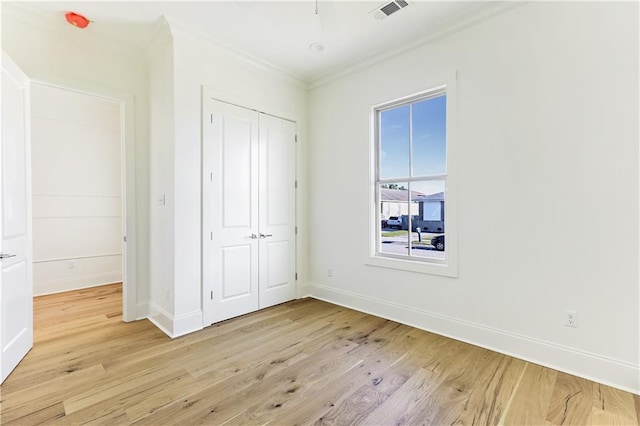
124, 238
296, 185
211, 177
296, 138
296, 230
211, 118
211, 294
211, 236
296, 276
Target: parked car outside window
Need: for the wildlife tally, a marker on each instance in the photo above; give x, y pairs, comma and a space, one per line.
394, 221
438, 242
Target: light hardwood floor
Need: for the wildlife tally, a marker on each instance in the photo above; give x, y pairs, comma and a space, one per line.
303, 362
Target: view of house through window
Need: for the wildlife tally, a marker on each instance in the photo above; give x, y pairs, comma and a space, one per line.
411, 177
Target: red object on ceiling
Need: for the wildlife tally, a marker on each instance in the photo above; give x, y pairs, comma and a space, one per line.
77, 20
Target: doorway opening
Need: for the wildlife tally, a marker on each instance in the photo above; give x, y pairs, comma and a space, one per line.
79, 189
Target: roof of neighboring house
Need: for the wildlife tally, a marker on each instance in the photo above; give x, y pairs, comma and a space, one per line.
397, 195
438, 196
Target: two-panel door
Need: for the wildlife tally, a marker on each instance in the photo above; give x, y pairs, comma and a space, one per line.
277, 210
16, 281
248, 210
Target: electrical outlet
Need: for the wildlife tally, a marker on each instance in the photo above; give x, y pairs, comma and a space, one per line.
330, 272
571, 319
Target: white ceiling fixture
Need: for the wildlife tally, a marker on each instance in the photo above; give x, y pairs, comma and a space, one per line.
316, 47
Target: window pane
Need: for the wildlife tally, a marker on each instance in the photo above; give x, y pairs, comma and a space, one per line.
394, 215
394, 142
427, 238
429, 137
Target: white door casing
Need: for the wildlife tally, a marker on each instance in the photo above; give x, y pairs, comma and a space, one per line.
248, 210
16, 280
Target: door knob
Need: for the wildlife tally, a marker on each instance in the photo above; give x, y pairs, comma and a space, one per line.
266, 235
6, 256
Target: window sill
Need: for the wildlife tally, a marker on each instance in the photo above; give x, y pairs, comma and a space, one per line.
422, 267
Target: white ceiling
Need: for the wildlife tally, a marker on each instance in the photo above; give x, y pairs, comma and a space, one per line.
278, 33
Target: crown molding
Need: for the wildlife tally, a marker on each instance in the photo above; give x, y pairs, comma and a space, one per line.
452, 26
166, 29
161, 36
178, 29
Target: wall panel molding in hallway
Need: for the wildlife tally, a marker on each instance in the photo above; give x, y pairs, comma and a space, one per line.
77, 190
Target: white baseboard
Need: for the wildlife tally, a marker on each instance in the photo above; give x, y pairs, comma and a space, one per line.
161, 319
67, 284
611, 372
303, 290
187, 323
142, 310
174, 326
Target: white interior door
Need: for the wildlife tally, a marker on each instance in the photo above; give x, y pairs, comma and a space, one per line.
16, 281
230, 212
249, 254
277, 210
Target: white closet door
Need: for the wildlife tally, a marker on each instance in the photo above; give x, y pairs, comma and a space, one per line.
16, 280
230, 212
277, 210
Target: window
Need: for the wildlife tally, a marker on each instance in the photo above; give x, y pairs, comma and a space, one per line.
411, 182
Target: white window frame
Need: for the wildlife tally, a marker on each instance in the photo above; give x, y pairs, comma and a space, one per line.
449, 266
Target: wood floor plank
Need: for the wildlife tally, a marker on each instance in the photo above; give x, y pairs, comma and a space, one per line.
232, 397
134, 384
530, 402
612, 406
45, 365
41, 415
287, 335
490, 388
571, 402
123, 394
48, 393
410, 398
308, 405
384, 369
355, 408
302, 362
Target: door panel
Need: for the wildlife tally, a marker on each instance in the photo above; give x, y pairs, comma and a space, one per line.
16, 281
277, 147
230, 212
236, 278
17, 300
277, 264
277, 202
237, 153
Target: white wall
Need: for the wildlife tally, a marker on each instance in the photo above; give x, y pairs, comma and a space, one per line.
548, 116
76, 60
77, 190
161, 256
198, 63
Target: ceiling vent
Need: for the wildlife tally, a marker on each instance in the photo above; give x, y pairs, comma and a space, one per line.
389, 8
